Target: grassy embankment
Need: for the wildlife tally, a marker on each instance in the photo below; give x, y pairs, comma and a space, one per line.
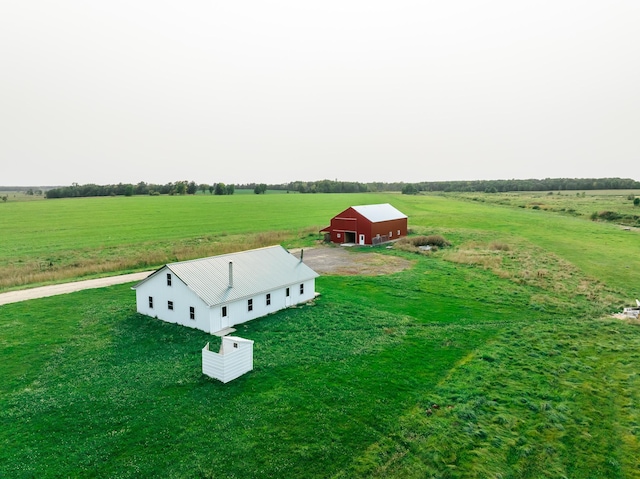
488, 359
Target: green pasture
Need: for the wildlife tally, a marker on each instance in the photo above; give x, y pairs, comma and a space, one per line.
494, 357
53, 240
443, 370
587, 204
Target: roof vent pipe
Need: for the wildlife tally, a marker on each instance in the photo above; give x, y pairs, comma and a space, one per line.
231, 274
301, 254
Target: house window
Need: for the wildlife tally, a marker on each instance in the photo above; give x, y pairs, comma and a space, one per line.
250, 305
287, 293
235, 345
224, 311
168, 279
192, 312
170, 305
150, 302
338, 235
268, 299
302, 288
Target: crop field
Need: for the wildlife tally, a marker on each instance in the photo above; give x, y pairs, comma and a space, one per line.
494, 357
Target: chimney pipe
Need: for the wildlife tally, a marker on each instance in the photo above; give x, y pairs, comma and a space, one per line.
231, 274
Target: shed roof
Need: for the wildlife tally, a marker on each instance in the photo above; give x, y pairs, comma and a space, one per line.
254, 272
381, 212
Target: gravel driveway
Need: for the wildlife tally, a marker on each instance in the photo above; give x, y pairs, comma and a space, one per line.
54, 289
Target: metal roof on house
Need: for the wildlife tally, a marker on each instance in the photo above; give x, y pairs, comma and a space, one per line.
381, 212
254, 271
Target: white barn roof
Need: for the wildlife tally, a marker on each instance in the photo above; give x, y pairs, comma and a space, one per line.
381, 212
254, 272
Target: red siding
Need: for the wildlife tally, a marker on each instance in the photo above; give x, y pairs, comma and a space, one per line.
348, 225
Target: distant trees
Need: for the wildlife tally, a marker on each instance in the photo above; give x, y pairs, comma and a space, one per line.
220, 189
323, 186
331, 186
501, 186
409, 189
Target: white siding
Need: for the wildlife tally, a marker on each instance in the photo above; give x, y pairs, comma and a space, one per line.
238, 313
209, 318
231, 362
181, 296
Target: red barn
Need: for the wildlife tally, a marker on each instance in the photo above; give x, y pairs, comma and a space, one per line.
367, 225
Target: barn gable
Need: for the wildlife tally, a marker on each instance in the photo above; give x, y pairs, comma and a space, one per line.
367, 225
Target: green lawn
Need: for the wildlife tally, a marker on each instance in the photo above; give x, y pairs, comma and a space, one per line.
479, 361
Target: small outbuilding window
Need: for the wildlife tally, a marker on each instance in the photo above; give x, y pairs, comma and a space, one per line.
168, 279
150, 302
235, 345
398, 232
170, 305
268, 299
302, 288
390, 234
192, 312
250, 305
224, 311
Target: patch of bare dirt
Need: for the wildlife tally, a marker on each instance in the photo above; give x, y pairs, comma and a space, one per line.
338, 260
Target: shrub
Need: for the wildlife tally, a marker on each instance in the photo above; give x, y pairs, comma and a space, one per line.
636, 202
609, 215
413, 243
431, 240
499, 246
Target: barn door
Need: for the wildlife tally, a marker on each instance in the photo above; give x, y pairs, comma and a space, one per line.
361, 239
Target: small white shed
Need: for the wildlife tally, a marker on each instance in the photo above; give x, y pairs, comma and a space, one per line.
234, 359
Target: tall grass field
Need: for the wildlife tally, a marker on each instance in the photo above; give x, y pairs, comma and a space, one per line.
495, 357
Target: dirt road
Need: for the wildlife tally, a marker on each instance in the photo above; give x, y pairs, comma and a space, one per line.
44, 291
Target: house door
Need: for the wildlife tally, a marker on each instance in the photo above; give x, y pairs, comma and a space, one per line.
287, 298
361, 239
224, 319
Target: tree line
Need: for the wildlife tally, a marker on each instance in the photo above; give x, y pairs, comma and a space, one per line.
141, 188
335, 186
503, 186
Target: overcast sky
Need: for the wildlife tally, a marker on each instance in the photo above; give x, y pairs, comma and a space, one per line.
110, 91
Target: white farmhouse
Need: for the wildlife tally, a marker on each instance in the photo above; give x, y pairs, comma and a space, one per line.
216, 293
